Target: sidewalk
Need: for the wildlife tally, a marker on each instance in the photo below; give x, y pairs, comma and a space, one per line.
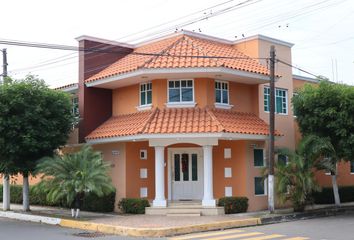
159, 226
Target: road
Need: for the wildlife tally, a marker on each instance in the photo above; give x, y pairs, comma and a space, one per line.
330, 228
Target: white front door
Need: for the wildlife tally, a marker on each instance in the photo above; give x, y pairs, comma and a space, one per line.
186, 174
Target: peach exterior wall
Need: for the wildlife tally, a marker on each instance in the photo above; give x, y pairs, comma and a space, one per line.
241, 162
244, 97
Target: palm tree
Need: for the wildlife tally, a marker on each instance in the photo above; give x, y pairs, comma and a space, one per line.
70, 176
295, 181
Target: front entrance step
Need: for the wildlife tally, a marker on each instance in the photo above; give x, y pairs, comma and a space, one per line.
196, 210
183, 214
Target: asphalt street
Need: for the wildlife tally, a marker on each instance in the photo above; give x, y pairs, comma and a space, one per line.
329, 228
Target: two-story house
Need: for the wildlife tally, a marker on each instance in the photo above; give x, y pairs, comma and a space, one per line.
184, 117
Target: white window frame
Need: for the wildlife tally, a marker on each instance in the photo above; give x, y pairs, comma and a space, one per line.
180, 103
265, 182
264, 158
145, 106
223, 105
275, 107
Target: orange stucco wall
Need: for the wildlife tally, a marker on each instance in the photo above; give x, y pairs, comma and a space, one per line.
344, 177
284, 123
125, 100
244, 97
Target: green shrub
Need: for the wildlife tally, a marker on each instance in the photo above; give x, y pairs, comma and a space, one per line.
94, 203
326, 195
38, 196
234, 204
133, 205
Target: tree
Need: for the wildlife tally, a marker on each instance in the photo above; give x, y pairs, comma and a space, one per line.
295, 180
327, 110
71, 176
34, 121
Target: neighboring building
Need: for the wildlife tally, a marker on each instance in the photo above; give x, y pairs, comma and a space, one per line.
178, 127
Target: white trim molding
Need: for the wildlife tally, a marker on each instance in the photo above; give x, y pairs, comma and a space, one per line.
144, 107
261, 78
223, 106
180, 137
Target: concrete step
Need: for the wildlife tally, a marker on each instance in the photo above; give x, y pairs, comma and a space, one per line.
183, 214
183, 211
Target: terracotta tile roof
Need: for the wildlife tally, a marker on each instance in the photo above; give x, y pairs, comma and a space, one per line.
181, 120
122, 125
182, 45
66, 86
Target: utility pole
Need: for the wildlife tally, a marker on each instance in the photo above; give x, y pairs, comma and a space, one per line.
4, 64
271, 131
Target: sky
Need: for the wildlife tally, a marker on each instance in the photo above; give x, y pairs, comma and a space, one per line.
322, 30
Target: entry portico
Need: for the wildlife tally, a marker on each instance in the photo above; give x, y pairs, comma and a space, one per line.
207, 144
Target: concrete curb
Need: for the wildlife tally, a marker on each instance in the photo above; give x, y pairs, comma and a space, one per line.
30, 218
306, 215
171, 231
158, 232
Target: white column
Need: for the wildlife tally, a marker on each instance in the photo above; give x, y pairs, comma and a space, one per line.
208, 198
6, 192
159, 200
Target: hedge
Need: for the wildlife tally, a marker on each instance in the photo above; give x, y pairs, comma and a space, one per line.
91, 202
133, 205
234, 204
326, 195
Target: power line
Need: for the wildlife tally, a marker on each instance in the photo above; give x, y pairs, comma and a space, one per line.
167, 29
298, 68
108, 51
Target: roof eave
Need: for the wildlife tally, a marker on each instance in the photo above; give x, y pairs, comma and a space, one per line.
149, 74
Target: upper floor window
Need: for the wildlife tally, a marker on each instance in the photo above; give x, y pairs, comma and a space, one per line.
221, 92
75, 106
180, 91
258, 157
145, 94
281, 100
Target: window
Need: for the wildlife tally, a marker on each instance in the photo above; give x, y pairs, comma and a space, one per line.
281, 100
352, 167
194, 167
180, 91
259, 186
258, 156
75, 106
145, 94
282, 159
221, 92
143, 154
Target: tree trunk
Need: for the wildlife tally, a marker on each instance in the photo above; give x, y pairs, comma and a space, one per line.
335, 190
25, 193
6, 193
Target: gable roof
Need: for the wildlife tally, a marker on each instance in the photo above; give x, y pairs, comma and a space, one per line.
182, 51
181, 120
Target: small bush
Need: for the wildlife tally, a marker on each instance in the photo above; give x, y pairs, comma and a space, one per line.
38, 196
326, 195
94, 203
133, 205
234, 204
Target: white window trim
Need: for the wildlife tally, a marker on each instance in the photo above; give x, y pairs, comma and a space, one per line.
265, 188
223, 105
264, 158
144, 106
181, 103
286, 101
